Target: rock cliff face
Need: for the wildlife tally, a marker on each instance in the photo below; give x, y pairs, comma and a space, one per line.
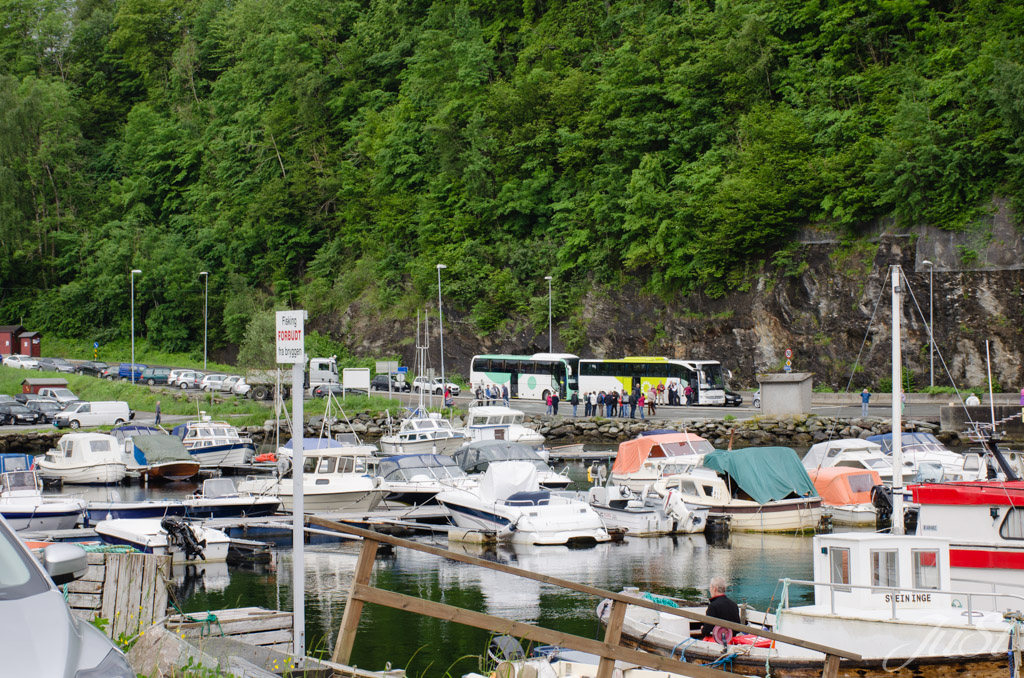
829, 302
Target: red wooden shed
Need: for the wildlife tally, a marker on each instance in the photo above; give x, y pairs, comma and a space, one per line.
9, 338
31, 344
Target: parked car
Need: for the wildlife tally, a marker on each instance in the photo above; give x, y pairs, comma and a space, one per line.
240, 387
124, 371
380, 383
31, 600
22, 362
91, 368
55, 365
756, 399
186, 379
733, 399
155, 375
436, 386
99, 413
212, 382
47, 408
111, 373
61, 395
16, 413
337, 390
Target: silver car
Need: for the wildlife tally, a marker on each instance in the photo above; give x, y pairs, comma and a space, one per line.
38, 634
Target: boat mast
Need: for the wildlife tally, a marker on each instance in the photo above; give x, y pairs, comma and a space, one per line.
896, 273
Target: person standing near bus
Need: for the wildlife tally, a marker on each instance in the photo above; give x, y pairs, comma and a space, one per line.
593, 403
661, 393
623, 401
504, 394
640, 402
688, 392
652, 400
575, 400
554, 403
865, 396
548, 402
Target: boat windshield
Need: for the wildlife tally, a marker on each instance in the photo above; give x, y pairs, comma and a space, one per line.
18, 481
218, 487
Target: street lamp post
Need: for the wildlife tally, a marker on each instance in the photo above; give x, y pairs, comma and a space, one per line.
134, 271
931, 323
550, 334
206, 306
440, 325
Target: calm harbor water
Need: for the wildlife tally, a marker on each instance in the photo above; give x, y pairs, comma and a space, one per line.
677, 566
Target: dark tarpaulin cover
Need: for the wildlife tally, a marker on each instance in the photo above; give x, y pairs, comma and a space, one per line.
765, 473
161, 449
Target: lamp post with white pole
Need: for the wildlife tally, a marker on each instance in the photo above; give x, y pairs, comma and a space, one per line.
931, 323
206, 306
440, 325
134, 271
550, 334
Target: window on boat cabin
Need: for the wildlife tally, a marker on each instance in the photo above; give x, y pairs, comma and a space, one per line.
346, 465
926, 568
839, 565
309, 464
687, 487
1013, 524
99, 445
862, 482
972, 462
326, 465
884, 568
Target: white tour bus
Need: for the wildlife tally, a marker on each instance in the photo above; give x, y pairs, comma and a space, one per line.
527, 376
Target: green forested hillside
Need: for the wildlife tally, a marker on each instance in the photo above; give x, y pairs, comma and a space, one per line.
313, 153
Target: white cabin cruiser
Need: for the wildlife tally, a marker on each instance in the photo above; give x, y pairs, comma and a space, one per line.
885, 597
920, 450
476, 457
423, 432
214, 443
855, 453
760, 489
648, 458
22, 503
334, 479
497, 422
84, 458
510, 502
415, 479
646, 514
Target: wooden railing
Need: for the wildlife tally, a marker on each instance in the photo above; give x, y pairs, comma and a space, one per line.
609, 651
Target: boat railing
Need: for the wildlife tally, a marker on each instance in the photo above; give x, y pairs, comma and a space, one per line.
894, 592
610, 650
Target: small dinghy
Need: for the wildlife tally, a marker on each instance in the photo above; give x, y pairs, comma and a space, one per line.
172, 535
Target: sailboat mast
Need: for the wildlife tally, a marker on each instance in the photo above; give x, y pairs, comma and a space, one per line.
896, 273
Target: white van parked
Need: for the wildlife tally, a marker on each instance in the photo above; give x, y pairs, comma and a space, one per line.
100, 413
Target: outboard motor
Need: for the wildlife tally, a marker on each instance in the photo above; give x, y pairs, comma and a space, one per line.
881, 499
183, 535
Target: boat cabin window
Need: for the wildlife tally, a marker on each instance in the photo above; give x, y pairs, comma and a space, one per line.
326, 465
309, 464
1013, 525
99, 445
884, 568
839, 565
926, 568
862, 482
972, 462
687, 487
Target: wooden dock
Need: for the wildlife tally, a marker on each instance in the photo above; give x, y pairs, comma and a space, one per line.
253, 625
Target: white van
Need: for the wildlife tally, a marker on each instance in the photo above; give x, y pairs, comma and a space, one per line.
100, 413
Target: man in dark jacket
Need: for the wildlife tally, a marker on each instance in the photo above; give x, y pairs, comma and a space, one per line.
575, 400
720, 607
554, 403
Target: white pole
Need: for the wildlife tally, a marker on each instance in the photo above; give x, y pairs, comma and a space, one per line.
550, 333
134, 271
897, 402
440, 325
206, 305
298, 524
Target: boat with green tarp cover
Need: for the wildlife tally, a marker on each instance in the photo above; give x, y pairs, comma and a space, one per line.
759, 489
155, 454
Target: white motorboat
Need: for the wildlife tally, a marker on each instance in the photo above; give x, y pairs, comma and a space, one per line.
646, 515
855, 453
22, 503
219, 498
648, 458
423, 432
334, 479
846, 494
184, 541
415, 479
84, 458
347, 441
884, 597
923, 452
760, 489
510, 502
214, 443
476, 457
497, 422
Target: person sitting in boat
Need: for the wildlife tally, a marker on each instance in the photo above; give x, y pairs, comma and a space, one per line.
720, 606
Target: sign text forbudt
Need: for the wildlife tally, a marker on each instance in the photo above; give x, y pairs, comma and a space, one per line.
290, 336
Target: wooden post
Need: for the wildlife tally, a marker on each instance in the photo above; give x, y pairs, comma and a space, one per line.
354, 607
831, 668
612, 635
